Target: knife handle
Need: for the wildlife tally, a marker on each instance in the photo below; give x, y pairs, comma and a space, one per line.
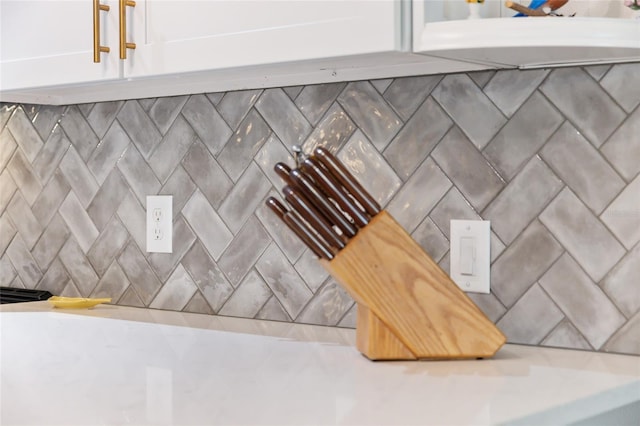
347, 180
326, 207
332, 189
297, 225
284, 172
309, 213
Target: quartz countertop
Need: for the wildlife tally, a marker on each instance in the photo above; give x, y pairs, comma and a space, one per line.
119, 365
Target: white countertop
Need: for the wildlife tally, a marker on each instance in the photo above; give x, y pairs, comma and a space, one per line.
117, 365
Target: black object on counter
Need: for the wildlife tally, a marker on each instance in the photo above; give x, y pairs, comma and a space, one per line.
17, 295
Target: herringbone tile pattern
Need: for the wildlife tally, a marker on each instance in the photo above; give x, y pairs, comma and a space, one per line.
552, 158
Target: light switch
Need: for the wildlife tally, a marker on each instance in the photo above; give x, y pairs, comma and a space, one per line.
467, 255
470, 254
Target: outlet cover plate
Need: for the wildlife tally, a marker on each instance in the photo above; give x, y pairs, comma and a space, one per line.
470, 260
159, 223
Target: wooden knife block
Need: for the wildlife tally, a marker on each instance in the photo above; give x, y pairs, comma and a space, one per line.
408, 307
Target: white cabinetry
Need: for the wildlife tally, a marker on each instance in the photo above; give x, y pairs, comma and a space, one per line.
45, 43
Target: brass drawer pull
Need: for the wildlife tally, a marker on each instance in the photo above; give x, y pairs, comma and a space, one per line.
97, 47
123, 28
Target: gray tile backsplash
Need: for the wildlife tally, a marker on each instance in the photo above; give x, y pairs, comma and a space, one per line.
551, 157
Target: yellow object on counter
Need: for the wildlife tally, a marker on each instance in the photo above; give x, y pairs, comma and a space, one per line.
76, 302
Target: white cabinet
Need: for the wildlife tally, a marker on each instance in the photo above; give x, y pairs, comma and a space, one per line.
189, 36
46, 43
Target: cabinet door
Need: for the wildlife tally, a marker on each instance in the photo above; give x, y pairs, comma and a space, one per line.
46, 43
183, 36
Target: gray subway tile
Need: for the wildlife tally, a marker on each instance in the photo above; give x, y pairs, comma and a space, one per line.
621, 283
566, 335
523, 262
597, 71
327, 307
7, 188
531, 318
283, 280
371, 170
111, 147
406, 94
471, 109
452, 206
582, 234
509, 89
293, 91
198, 305
481, 78
625, 340
78, 221
165, 110
23, 263
243, 145
467, 168
51, 154
172, 148
489, 305
248, 299
70, 290
55, 278
108, 245
381, 84
176, 293
431, 183
207, 276
79, 177
86, 108
7, 232
314, 100
431, 239
370, 112
244, 197
7, 146
349, 319
616, 83
113, 283
582, 167
108, 199
139, 127
142, 278
215, 98
273, 152
164, 263
180, 186
273, 311
333, 130
131, 298
23, 219
584, 102
582, 300
46, 205
522, 200
24, 177
102, 116
417, 138
134, 218
79, 268
147, 103
523, 136
47, 118
207, 174
311, 271
138, 174
24, 134
623, 147
52, 240
623, 214
79, 132
207, 225
234, 106
283, 117
245, 249
7, 272
207, 123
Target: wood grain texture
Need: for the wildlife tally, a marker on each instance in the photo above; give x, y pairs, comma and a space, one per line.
376, 341
384, 269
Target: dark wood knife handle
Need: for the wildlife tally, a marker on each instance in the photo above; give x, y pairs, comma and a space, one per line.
284, 172
309, 213
347, 180
326, 207
312, 168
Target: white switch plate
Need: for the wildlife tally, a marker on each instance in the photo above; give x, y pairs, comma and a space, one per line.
159, 223
470, 255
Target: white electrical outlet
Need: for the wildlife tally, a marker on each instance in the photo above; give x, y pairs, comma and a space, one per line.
159, 223
470, 254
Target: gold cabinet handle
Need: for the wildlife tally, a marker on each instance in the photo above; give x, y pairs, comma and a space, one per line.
123, 28
97, 48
